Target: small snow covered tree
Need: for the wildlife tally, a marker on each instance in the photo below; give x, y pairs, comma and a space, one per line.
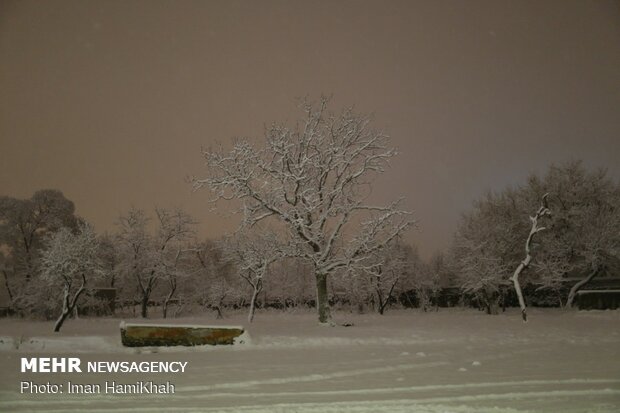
216, 283
290, 283
174, 271
387, 268
175, 231
425, 281
69, 260
485, 248
313, 179
440, 277
108, 256
135, 253
148, 258
253, 253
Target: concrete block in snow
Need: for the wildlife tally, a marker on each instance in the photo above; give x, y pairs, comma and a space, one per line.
141, 335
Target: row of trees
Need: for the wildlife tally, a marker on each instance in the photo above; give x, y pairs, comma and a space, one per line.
159, 261
50, 257
310, 234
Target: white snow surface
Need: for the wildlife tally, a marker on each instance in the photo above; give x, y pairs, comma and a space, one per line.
403, 361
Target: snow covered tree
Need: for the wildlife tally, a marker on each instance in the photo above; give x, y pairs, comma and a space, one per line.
313, 179
24, 225
174, 234
290, 283
215, 282
424, 279
485, 247
69, 260
583, 234
149, 258
442, 274
135, 253
108, 256
386, 269
253, 253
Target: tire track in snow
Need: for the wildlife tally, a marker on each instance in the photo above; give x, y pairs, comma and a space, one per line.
431, 405
430, 387
375, 391
311, 377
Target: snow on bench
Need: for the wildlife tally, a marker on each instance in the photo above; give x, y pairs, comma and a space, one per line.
140, 335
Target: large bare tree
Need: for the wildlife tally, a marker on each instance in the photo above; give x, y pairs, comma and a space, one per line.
314, 179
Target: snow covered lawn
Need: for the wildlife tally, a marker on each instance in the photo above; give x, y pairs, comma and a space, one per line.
404, 361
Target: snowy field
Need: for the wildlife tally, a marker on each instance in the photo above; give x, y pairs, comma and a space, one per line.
450, 361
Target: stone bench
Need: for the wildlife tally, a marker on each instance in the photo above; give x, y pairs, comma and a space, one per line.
141, 335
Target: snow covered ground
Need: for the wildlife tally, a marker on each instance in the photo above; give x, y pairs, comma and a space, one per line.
458, 361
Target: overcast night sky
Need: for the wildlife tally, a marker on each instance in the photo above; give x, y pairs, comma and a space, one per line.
111, 101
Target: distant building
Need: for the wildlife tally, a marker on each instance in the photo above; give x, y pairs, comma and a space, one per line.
603, 292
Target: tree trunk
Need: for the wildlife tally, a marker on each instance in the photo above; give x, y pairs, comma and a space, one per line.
219, 315
422, 299
68, 305
491, 302
257, 289
381, 307
379, 293
573, 291
144, 306
8, 288
60, 321
542, 211
322, 300
65, 310
560, 299
517, 285
383, 303
167, 300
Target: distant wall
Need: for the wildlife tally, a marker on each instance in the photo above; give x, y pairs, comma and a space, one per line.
598, 299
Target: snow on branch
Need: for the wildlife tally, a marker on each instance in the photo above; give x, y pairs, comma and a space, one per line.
313, 178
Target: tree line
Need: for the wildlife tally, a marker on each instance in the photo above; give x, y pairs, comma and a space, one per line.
53, 263
310, 235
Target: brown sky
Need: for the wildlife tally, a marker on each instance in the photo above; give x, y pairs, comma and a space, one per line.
111, 101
